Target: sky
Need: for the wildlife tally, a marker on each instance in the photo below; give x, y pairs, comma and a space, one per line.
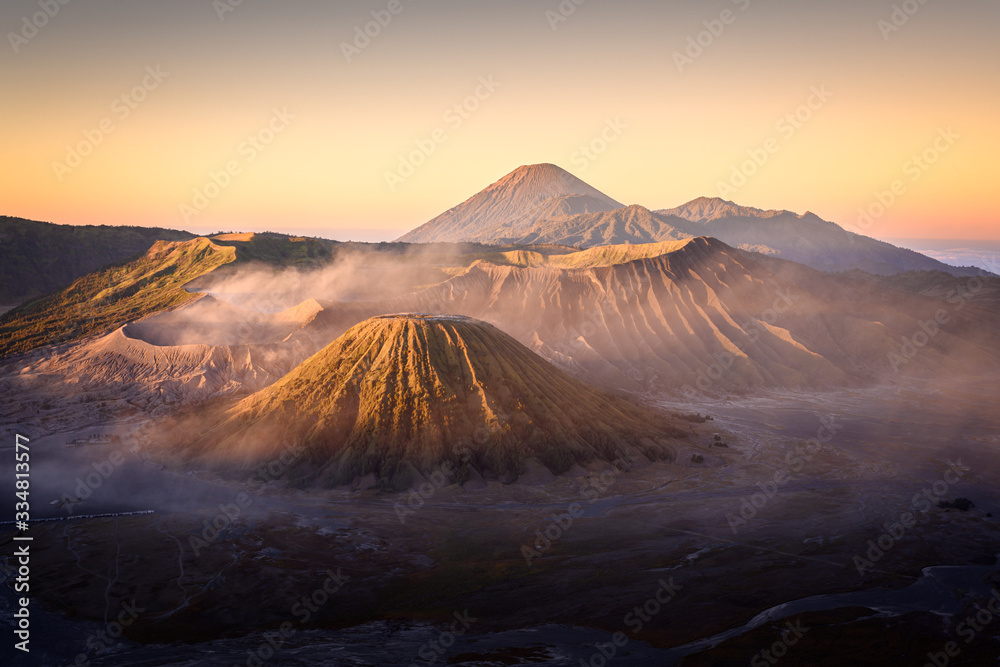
365, 119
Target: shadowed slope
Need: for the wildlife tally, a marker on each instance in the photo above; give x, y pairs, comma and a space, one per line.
633, 224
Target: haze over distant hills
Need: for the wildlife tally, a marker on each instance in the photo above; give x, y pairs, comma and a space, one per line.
982, 253
668, 317
545, 204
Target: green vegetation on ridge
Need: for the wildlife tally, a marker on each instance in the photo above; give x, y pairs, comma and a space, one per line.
107, 299
37, 258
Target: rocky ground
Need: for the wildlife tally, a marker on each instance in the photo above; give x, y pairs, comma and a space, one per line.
746, 542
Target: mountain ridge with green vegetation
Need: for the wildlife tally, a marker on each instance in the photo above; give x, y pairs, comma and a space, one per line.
106, 299
38, 258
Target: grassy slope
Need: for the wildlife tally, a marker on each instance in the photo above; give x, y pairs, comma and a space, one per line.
104, 300
279, 249
39, 258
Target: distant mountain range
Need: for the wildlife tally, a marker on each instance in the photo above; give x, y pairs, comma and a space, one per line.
533, 205
545, 204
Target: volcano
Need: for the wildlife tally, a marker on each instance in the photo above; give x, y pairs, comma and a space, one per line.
404, 395
512, 205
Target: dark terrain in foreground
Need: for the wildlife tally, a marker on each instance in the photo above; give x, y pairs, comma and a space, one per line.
407, 563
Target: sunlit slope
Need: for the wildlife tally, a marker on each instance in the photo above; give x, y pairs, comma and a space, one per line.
610, 255
279, 249
544, 204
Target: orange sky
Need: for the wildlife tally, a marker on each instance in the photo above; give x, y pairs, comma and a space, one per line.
328, 131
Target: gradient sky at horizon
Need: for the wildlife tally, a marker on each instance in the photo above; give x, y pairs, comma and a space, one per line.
683, 132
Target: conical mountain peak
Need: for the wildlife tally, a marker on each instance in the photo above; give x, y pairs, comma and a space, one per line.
414, 392
513, 204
